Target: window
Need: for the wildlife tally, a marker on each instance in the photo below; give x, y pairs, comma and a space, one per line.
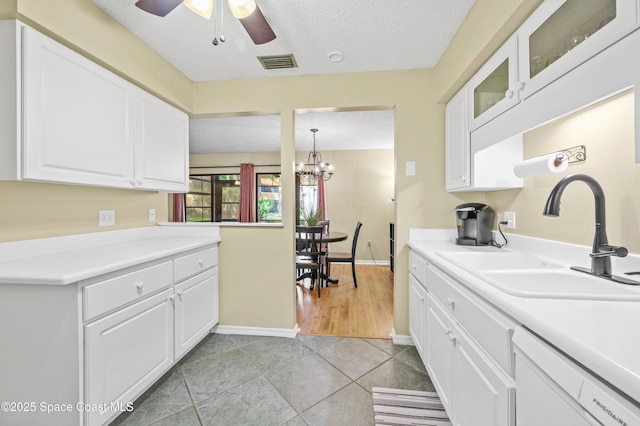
269, 197
307, 196
213, 198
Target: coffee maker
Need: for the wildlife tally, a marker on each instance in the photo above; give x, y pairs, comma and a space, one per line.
475, 223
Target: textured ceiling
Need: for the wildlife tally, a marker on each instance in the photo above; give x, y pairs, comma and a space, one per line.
373, 35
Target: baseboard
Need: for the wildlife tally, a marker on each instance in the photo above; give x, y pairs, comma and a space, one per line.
257, 331
401, 339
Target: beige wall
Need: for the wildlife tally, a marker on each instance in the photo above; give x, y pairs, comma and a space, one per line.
607, 131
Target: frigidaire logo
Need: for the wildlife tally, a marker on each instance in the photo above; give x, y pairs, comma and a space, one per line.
609, 412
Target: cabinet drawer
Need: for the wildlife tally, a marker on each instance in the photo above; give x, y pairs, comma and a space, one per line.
417, 266
107, 295
194, 263
484, 323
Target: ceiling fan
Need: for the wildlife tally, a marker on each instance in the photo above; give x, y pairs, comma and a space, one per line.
247, 12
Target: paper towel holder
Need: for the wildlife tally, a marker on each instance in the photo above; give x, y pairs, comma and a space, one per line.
574, 154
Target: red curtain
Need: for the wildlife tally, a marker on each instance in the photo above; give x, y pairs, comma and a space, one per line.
321, 203
246, 193
178, 208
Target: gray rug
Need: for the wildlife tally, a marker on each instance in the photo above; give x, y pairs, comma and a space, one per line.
406, 407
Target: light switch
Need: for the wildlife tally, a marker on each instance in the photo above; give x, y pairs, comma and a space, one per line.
410, 167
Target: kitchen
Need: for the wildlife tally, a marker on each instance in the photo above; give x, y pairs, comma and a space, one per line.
421, 201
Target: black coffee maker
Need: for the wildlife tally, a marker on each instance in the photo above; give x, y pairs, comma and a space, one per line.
475, 224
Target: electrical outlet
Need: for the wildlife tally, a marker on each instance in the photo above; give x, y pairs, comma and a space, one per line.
368, 243
106, 217
510, 218
152, 215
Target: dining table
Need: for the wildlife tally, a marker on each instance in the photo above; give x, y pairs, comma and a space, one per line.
330, 237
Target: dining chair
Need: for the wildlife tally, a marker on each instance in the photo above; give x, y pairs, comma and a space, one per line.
309, 256
340, 257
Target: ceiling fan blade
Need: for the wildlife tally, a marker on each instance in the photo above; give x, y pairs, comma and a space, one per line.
258, 28
158, 7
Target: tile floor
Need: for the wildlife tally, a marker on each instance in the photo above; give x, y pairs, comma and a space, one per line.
252, 380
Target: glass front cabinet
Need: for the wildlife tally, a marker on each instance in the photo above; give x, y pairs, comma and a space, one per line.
562, 34
493, 88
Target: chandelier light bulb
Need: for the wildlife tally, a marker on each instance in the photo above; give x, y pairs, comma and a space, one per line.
241, 8
203, 8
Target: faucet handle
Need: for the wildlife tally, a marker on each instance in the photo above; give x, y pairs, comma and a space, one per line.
610, 250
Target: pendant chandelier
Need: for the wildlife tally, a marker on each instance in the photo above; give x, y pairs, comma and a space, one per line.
314, 168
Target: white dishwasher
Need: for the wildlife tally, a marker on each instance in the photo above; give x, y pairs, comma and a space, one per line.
551, 390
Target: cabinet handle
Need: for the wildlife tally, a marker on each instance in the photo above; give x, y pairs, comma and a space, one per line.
522, 85
201, 263
132, 182
451, 302
172, 297
464, 178
180, 293
452, 338
140, 285
509, 94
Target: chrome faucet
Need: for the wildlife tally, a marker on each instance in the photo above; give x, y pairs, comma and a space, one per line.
602, 251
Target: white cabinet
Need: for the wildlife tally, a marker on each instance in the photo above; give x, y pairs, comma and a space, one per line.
162, 145
417, 303
492, 89
562, 34
458, 141
104, 339
77, 125
469, 354
417, 315
129, 346
125, 353
196, 310
75, 122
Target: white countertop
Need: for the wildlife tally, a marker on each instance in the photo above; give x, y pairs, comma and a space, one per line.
601, 335
69, 259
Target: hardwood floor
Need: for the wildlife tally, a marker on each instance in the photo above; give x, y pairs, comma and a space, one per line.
343, 310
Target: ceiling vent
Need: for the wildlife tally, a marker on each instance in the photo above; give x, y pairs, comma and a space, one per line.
277, 62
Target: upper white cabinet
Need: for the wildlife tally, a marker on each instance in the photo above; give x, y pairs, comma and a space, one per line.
493, 89
457, 142
77, 123
562, 34
162, 145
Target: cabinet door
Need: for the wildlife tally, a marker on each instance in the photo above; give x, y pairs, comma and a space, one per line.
562, 34
492, 90
77, 125
162, 145
126, 352
417, 315
196, 310
483, 395
439, 353
457, 141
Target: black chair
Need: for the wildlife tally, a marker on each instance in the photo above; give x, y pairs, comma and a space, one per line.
309, 257
339, 257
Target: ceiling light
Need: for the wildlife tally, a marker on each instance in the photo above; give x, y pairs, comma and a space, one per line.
315, 168
203, 8
241, 8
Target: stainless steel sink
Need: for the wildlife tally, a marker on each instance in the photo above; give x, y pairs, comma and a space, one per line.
559, 284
